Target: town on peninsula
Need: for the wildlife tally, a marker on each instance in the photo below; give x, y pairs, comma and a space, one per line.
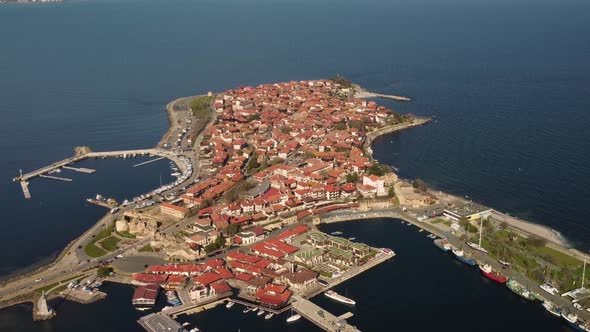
258, 171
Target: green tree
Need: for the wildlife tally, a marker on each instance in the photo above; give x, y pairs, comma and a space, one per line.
346, 83
339, 126
352, 177
391, 191
420, 185
104, 271
252, 163
232, 230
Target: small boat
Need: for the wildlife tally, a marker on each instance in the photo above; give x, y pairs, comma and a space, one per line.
487, 271
335, 296
465, 258
552, 308
578, 306
477, 247
520, 290
229, 304
421, 230
293, 318
503, 263
186, 324
247, 310
549, 288
260, 312
269, 315
255, 309
336, 233
352, 238
442, 244
569, 317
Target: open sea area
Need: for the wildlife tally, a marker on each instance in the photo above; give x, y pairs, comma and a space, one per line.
507, 82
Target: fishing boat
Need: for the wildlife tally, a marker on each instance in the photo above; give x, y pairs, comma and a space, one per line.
260, 312
442, 244
569, 317
335, 296
549, 288
269, 315
487, 271
552, 308
520, 290
229, 304
247, 310
463, 257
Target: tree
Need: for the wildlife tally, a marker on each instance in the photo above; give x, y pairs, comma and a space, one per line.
346, 83
339, 126
232, 230
352, 177
358, 124
420, 185
252, 163
104, 271
391, 191
378, 169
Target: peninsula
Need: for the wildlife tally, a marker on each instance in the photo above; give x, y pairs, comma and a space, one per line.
258, 169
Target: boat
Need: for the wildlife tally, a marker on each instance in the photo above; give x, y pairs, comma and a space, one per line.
461, 256
269, 315
247, 310
477, 246
552, 308
335, 296
260, 312
352, 238
186, 324
578, 306
255, 309
549, 288
569, 317
114, 210
442, 244
336, 233
520, 290
421, 230
293, 318
229, 304
487, 271
503, 263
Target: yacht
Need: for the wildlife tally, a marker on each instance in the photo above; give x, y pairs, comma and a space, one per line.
229, 304
260, 312
549, 289
335, 296
269, 315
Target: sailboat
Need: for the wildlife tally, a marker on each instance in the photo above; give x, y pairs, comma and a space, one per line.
503, 262
546, 286
478, 246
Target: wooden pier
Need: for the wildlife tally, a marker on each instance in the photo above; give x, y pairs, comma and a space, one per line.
80, 169
322, 318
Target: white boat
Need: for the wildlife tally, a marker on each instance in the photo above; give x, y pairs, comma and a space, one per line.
552, 308
336, 233
352, 238
477, 247
335, 296
421, 230
114, 210
549, 289
578, 306
293, 318
247, 310
269, 315
570, 317
186, 324
229, 304
260, 312
255, 309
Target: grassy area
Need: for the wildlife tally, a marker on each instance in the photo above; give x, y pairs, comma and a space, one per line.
110, 243
146, 248
91, 249
447, 223
437, 221
201, 106
126, 234
557, 257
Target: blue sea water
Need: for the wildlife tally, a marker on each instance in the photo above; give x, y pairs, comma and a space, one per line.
507, 81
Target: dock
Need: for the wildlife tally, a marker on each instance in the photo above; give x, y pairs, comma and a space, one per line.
366, 94
25, 186
158, 322
147, 162
55, 177
80, 169
322, 318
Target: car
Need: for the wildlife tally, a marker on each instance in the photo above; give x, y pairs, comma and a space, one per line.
39, 280
120, 256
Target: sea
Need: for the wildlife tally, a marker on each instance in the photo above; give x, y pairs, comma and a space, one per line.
507, 83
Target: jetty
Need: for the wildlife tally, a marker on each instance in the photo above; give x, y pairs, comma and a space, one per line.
158, 322
362, 94
149, 161
55, 177
80, 169
322, 318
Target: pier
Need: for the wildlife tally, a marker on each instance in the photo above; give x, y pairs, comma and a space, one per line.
25, 186
158, 322
55, 177
366, 94
322, 318
80, 169
147, 162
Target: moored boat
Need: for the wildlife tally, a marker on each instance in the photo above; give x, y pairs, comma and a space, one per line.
549, 288
552, 308
335, 296
520, 290
269, 315
336, 233
229, 304
465, 258
260, 312
442, 244
487, 271
247, 310
477, 247
293, 318
503, 263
